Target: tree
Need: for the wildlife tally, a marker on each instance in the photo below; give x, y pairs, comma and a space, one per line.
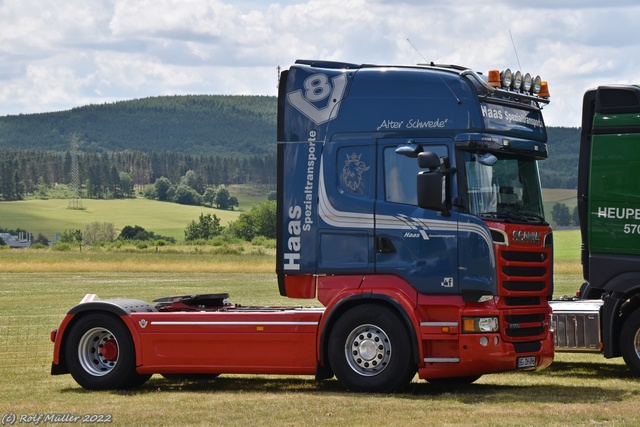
72, 237
209, 196
560, 214
222, 197
134, 233
41, 239
259, 221
575, 217
162, 185
126, 184
187, 196
150, 192
206, 227
190, 180
98, 232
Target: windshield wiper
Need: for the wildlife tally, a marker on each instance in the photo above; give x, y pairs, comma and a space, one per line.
496, 215
536, 216
508, 216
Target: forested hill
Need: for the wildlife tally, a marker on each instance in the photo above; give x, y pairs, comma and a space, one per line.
192, 124
560, 170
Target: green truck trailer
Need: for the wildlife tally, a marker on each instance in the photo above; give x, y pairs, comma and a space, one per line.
605, 315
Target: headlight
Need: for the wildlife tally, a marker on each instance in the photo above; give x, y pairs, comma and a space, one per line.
517, 80
472, 325
507, 78
537, 83
527, 82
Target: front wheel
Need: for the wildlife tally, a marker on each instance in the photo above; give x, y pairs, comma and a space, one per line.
630, 342
100, 354
370, 350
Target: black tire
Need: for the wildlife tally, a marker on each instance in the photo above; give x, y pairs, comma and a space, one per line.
630, 342
370, 350
455, 381
100, 354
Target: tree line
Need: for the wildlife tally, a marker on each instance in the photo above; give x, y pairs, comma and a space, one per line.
116, 174
190, 124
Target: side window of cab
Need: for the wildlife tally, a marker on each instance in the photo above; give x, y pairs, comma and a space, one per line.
400, 174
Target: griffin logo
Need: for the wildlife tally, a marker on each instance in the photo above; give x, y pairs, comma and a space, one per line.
352, 171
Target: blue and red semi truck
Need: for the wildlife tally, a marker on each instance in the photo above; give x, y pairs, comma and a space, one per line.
409, 206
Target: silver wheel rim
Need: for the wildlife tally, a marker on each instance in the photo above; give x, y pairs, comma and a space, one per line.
91, 351
368, 350
636, 343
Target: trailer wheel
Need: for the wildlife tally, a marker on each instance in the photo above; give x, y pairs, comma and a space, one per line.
370, 350
630, 342
100, 354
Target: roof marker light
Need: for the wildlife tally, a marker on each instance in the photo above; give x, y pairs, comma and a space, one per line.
544, 90
494, 78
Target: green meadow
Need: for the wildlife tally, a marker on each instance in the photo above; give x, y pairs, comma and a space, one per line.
54, 216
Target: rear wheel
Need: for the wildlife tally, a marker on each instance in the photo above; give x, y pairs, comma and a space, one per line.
100, 354
370, 350
630, 342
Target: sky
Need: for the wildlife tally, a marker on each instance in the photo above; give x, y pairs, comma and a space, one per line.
59, 54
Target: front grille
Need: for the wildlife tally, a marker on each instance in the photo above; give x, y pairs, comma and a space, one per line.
512, 285
527, 347
515, 333
524, 256
525, 284
524, 325
524, 271
524, 318
521, 301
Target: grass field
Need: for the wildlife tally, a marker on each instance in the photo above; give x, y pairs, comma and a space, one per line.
577, 390
53, 216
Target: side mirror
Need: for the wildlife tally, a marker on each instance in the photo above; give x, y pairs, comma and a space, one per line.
432, 186
428, 160
430, 194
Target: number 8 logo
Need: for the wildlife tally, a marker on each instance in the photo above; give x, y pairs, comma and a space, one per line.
317, 87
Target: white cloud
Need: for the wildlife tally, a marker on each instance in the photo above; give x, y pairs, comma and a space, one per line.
59, 55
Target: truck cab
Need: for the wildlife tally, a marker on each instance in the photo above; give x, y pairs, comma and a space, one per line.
417, 187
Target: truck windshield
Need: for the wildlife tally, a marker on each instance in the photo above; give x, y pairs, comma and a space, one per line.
507, 190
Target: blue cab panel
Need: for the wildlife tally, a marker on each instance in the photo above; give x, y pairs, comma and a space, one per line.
347, 199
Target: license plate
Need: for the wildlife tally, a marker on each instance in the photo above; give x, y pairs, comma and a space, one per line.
526, 362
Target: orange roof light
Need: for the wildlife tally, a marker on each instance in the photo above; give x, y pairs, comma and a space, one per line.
494, 78
544, 90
